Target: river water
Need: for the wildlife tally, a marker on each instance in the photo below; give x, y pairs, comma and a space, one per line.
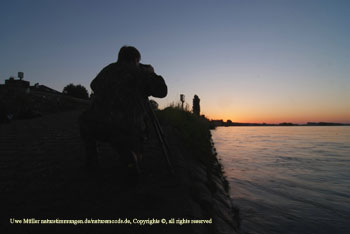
288, 179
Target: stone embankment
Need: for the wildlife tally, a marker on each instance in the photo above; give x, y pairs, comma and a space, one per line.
43, 178
208, 189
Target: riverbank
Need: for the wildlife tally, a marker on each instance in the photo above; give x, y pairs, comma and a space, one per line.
204, 175
43, 178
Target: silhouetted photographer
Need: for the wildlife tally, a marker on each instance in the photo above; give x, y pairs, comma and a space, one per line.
117, 114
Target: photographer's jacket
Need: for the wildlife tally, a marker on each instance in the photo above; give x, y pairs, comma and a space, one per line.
120, 95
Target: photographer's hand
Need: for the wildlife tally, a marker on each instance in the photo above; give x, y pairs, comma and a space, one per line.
147, 68
150, 69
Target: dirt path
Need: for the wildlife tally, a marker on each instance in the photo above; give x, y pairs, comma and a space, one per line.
42, 176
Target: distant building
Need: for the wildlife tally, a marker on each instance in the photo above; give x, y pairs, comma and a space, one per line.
217, 123
43, 88
11, 82
13, 85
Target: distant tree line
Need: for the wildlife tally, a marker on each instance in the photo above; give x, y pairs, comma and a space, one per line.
77, 91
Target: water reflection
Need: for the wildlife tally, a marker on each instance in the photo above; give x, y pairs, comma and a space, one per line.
288, 179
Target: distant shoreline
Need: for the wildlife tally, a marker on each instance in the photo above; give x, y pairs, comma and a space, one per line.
221, 123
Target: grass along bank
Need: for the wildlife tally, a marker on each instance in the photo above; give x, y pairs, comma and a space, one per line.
193, 133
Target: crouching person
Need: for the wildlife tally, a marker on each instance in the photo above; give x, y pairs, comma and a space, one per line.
117, 112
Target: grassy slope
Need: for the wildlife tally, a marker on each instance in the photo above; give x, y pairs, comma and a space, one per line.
193, 131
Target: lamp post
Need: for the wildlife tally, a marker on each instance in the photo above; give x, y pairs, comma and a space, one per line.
182, 99
20, 75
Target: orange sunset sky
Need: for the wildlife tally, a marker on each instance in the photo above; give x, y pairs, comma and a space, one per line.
248, 61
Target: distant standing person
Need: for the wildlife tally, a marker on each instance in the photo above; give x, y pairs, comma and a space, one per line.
117, 114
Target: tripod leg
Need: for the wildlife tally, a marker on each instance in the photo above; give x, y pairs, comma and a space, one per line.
137, 160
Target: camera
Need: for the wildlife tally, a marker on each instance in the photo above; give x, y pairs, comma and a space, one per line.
146, 67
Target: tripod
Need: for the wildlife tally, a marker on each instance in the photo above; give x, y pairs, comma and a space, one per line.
160, 134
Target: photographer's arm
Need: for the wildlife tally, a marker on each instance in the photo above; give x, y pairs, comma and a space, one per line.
155, 84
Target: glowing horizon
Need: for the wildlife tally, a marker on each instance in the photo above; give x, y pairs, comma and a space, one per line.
277, 120
252, 115
248, 61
